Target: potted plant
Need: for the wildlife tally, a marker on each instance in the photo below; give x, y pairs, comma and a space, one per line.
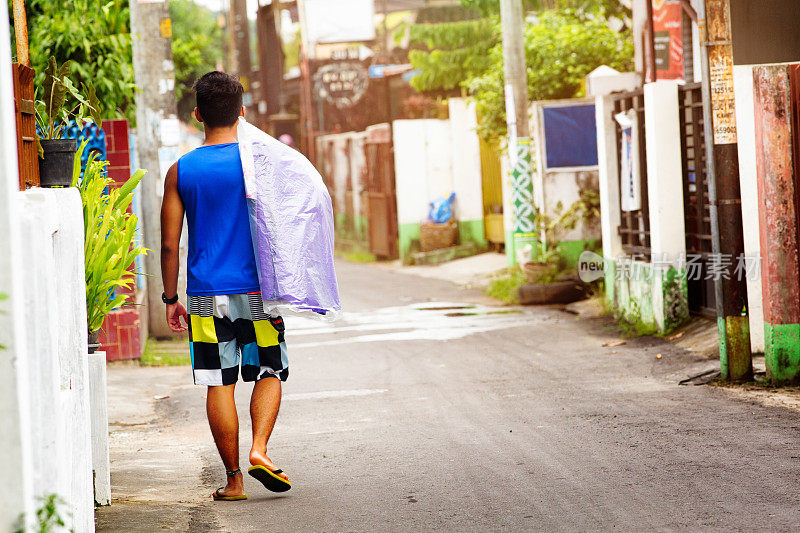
550, 281
111, 246
53, 117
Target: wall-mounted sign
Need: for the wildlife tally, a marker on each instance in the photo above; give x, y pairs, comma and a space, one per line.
570, 136
342, 84
668, 38
629, 172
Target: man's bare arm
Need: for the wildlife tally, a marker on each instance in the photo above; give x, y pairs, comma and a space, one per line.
171, 227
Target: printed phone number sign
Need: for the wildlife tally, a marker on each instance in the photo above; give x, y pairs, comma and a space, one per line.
722, 97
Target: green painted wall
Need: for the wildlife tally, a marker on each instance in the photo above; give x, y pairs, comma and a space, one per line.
468, 231
782, 352
361, 227
406, 234
648, 297
570, 251
472, 231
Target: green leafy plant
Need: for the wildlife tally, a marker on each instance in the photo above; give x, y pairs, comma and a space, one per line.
53, 114
49, 517
505, 285
111, 246
552, 227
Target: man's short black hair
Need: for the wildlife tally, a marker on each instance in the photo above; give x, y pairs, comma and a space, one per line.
219, 99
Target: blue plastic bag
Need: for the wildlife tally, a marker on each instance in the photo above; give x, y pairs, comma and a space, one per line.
442, 209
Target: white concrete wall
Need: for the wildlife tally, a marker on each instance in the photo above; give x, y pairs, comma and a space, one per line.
434, 158
605, 80
466, 159
358, 163
16, 445
51, 222
101, 465
416, 185
748, 181
348, 162
341, 170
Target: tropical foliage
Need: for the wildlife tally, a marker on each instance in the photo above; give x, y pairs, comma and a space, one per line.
110, 242
195, 49
603, 8
93, 38
454, 52
561, 46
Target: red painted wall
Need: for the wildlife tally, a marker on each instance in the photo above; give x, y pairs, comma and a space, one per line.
121, 332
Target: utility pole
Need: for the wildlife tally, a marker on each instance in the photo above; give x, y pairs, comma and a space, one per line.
724, 195
519, 141
157, 135
242, 64
307, 52
270, 65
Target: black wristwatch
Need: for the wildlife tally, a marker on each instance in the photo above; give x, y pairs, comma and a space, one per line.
168, 301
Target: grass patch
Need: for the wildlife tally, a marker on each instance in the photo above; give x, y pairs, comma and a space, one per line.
360, 256
356, 255
505, 285
166, 353
635, 329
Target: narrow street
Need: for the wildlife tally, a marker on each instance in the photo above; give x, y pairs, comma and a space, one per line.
426, 408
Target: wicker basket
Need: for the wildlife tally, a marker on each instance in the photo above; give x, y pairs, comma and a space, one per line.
437, 236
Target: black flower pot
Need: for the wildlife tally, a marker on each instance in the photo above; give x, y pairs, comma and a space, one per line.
94, 341
55, 168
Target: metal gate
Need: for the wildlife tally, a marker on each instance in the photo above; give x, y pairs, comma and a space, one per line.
695, 199
634, 229
381, 198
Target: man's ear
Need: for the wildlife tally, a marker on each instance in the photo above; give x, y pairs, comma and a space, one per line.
241, 114
197, 115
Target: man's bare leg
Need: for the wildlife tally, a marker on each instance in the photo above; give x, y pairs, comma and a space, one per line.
264, 405
224, 422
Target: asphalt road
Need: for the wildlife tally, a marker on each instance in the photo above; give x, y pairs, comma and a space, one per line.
425, 410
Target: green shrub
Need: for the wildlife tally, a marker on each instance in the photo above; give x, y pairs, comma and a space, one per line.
110, 244
505, 285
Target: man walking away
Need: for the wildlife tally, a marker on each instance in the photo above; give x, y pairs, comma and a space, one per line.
228, 327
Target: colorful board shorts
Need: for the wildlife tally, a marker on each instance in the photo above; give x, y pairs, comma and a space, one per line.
228, 331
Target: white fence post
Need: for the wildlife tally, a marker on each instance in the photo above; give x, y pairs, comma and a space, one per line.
665, 201
664, 170
748, 181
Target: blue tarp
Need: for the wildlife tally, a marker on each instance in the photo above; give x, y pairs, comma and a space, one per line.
570, 136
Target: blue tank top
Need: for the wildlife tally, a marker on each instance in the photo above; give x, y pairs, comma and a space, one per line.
221, 258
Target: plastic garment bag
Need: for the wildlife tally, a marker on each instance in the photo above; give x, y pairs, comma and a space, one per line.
291, 221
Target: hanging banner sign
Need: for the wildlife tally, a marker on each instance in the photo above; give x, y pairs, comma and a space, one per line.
630, 175
668, 39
